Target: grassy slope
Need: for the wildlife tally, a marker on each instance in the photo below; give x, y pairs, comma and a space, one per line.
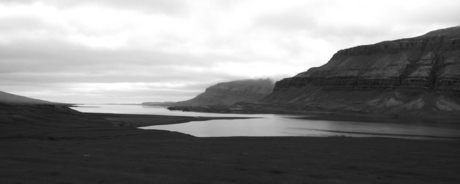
12, 98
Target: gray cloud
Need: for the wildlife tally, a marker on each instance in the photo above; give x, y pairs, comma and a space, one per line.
59, 63
38, 66
290, 20
390, 22
169, 7
21, 23
441, 13
59, 56
9, 2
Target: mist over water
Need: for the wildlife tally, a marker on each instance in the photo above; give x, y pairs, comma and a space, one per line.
285, 125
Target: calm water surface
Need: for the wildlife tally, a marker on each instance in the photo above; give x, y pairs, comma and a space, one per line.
284, 125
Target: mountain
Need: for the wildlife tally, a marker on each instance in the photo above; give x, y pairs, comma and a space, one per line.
228, 93
413, 75
11, 98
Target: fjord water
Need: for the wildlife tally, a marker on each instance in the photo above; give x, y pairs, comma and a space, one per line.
285, 125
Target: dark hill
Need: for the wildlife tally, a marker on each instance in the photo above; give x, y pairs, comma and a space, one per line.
12, 98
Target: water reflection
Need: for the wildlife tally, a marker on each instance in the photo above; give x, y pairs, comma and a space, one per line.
281, 126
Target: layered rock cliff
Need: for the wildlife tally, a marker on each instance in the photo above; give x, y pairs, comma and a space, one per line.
228, 93
420, 73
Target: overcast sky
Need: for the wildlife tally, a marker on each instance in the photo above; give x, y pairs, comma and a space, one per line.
127, 51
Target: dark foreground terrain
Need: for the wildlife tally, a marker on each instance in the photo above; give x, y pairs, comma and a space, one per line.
56, 145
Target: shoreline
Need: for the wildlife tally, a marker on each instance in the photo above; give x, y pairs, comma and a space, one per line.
142, 120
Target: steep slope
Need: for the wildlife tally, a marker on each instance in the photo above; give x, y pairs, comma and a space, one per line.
11, 98
228, 93
407, 75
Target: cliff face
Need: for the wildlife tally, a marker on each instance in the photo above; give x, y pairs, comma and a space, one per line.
228, 93
391, 75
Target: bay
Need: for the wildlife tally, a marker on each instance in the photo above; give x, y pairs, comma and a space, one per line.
286, 125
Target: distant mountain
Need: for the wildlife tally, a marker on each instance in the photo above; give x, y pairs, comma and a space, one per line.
158, 103
418, 75
11, 98
228, 93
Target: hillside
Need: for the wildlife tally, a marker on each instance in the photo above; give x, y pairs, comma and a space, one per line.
228, 93
413, 75
12, 98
